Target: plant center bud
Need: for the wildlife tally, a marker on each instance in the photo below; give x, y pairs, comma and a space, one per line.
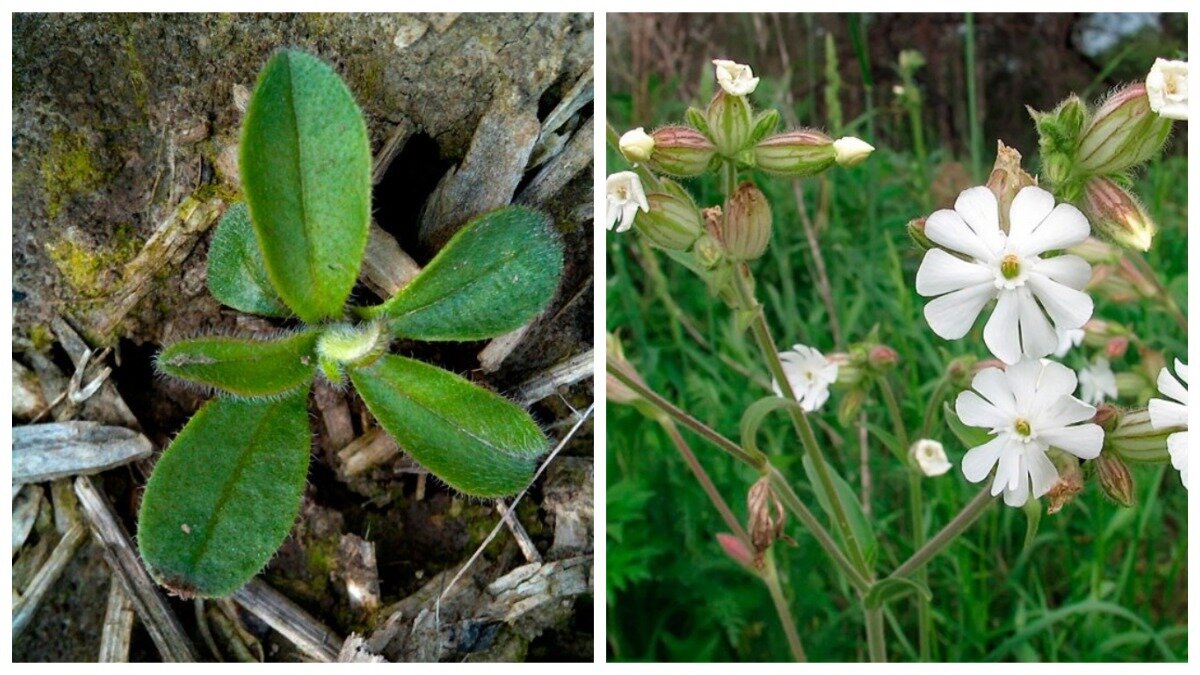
1021, 426
1010, 266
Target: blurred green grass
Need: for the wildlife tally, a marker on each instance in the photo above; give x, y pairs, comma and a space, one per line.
1098, 583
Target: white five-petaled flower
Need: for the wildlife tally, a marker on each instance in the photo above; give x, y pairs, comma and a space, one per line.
930, 457
1173, 413
1167, 89
625, 197
1097, 383
810, 375
735, 78
1029, 409
988, 263
1068, 340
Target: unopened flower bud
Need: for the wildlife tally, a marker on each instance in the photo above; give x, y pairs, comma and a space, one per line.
961, 371
1123, 133
735, 549
1106, 417
1058, 136
1114, 478
709, 251
930, 457
1007, 179
729, 123
851, 151
850, 405
796, 153
1136, 440
1167, 89
1117, 215
1070, 481
1096, 252
881, 357
1116, 347
747, 228
916, 230
680, 151
673, 221
636, 145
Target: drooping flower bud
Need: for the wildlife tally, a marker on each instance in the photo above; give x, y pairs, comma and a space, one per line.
681, 151
851, 151
796, 153
636, 145
1118, 215
1122, 133
1114, 478
1136, 440
1167, 89
747, 228
1007, 179
673, 221
729, 121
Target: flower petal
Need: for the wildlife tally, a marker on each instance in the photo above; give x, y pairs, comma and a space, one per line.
1065, 226
1029, 208
1017, 496
1002, 332
1068, 270
952, 315
993, 385
1042, 471
1068, 307
1037, 335
947, 228
1054, 380
1083, 440
1171, 387
974, 411
941, 272
1008, 469
978, 462
1167, 414
1177, 447
981, 212
1023, 377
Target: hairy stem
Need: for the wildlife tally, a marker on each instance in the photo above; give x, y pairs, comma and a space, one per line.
705, 482
770, 577
876, 645
949, 533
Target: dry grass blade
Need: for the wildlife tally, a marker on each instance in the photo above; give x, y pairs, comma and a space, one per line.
312, 637
118, 626
43, 452
43, 581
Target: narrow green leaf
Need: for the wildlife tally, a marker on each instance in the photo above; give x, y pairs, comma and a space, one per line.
493, 276
754, 416
243, 367
237, 276
859, 525
224, 495
887, 590
306, 169
476, 441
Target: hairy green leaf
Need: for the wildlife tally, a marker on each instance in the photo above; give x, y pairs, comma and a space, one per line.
306, 169
243, 367
224, 495
492, 277
237, 276
476, 441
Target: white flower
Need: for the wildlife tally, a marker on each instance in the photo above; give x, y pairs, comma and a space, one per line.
636, 145
810, 375
1167, 88
851, 151
992, 264
735, 78
1068, 340
625, 197
1097, 383
930, 457
1029, 408
1173, 413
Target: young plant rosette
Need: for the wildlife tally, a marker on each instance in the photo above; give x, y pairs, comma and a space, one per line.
224, 495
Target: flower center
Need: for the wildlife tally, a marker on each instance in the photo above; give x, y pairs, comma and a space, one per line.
1021, 426
1010, 266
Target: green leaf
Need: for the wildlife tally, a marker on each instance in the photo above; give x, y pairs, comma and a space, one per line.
970, 437
498, 272
306, 169
859, 524
887, 590
225, 494
754, 416
476, 441
237, 276
243, 367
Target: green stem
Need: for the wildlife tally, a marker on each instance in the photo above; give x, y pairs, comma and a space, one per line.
973, 121
766, 345
791, 501
706, 483
770, 577
876, 645
934, 546
935, 401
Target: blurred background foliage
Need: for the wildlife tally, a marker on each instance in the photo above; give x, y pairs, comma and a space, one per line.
1094, 582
